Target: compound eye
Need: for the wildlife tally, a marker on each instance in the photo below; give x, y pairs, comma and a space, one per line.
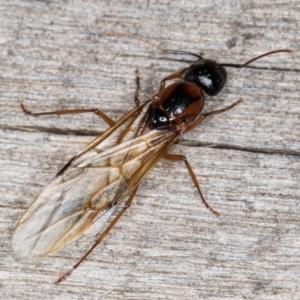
158, 119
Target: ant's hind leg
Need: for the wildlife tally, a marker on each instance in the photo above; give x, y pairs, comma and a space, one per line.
102, 236
178, 157
59, 112
138, 87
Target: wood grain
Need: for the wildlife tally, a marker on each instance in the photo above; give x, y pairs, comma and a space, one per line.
168, 246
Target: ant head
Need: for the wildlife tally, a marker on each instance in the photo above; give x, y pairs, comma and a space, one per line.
210, 76
207, 75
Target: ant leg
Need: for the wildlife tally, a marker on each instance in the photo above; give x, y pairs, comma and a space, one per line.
102, 236
178, 157
138, 87
170, 77
96, 111
211, 113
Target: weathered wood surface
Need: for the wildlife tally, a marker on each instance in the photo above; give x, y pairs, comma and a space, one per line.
168, 246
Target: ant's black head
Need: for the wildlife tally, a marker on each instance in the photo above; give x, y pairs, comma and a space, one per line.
208, 75
211, 76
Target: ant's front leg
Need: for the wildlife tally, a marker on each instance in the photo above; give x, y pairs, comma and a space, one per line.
175, 75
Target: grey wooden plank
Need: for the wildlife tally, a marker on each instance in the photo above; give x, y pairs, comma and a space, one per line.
54, 55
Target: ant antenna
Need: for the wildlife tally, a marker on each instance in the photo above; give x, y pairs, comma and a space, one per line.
131, 36
255, 58
184, 52
165, 50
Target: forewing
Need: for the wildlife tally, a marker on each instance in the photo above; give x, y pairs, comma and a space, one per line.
53, 212
90, 186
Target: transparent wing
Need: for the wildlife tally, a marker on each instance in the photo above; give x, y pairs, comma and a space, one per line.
93, 183
42, 207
